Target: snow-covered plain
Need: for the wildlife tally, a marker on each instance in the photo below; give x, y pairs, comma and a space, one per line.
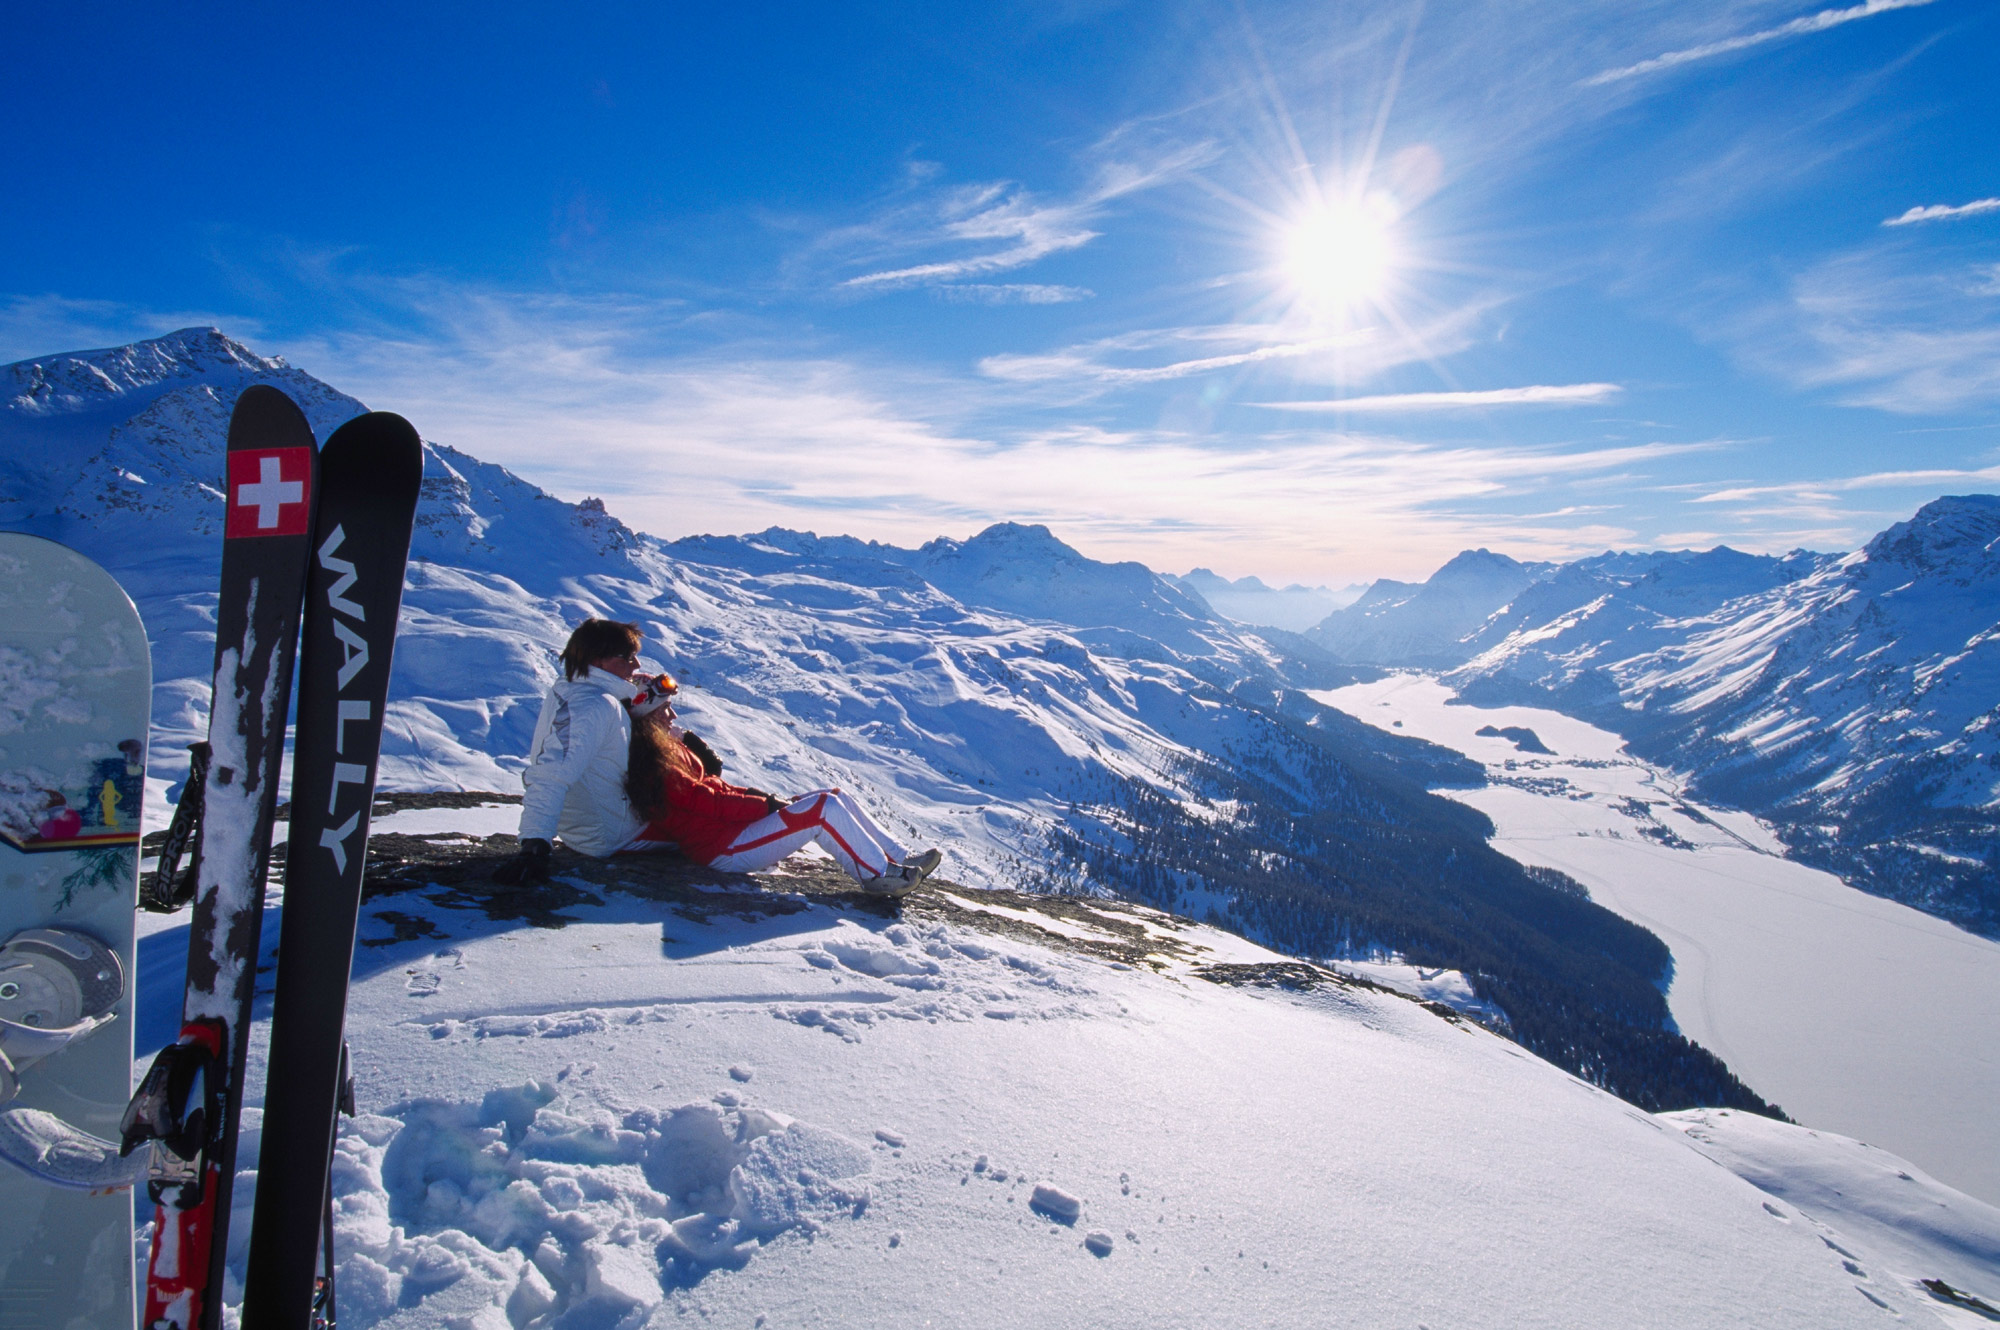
746, 1109
1852, 1012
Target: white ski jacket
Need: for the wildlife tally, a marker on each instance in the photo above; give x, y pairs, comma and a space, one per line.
575, 780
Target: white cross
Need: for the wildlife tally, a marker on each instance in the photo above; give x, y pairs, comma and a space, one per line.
271, 492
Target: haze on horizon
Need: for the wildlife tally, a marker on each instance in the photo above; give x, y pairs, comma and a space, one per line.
1313, 296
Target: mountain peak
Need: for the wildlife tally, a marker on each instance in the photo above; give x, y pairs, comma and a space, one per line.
78, 380
1480, 562
1015, 540
1955, 529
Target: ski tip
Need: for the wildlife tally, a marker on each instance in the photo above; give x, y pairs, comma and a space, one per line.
263, 414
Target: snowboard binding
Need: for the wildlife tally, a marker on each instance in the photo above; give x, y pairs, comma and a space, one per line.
56, 986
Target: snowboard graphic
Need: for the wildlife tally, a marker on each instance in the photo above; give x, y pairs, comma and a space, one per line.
75, 697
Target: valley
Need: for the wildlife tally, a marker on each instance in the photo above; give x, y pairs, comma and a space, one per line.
1851, 1012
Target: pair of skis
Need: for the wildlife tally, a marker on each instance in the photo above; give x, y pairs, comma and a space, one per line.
323, 535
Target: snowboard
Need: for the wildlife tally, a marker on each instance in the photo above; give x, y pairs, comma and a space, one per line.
75, 698
189, 1104
370, 473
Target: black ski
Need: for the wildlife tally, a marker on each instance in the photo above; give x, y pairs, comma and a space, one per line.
190, 1101
370, 472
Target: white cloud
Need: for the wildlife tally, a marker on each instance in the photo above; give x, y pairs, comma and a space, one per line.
1081, 363
1012, 293
1810, 23
1823, 490
1317, 356
1028, 228
1939, 212
1570, 394
987, 213
1884, 333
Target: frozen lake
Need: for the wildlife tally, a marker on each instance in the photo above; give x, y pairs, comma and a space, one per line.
1851, 1012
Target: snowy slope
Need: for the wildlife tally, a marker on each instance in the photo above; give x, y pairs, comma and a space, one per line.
771, 1108
1396, 623
1851, 700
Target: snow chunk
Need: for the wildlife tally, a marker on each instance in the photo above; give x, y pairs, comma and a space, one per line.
793, 1178
1056, 1203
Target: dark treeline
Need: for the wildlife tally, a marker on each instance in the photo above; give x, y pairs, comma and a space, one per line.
1323, 840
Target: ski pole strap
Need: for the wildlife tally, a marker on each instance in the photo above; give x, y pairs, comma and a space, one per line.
168, 889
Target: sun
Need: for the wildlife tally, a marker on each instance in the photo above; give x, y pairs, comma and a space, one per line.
1340, 255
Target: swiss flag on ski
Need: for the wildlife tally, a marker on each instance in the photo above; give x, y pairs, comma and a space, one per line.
270, 492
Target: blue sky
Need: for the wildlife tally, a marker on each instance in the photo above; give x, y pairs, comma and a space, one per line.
1317, 292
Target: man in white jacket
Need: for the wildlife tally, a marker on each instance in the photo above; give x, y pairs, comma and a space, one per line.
575, 781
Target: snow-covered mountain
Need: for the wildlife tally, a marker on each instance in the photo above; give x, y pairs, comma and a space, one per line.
1294, 608
1047, 719
1425, 623
1852, 700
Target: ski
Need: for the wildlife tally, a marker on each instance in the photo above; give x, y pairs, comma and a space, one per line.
190, 1101
370, 473
75, 699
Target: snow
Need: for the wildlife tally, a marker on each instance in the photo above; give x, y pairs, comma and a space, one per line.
487, 819
1868, 1204
809, 1116
1852, 1012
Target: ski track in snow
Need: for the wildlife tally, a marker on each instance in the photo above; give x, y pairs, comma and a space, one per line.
1851, 1012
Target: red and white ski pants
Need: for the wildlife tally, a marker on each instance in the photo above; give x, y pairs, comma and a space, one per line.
826, 818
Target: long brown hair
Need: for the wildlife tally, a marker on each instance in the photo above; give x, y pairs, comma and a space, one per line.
656, 766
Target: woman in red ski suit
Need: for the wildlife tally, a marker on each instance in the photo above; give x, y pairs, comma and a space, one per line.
742, 830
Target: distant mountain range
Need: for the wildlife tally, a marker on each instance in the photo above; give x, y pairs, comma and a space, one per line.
1050, 720
1853, 700
1248, 600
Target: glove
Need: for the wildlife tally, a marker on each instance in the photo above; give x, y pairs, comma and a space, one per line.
699, 747
772, 803
528, 867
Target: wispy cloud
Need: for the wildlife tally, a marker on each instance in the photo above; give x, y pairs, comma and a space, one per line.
1083, 362
1318, 356
1011, 293
1798, 27
1930, 479
1885, 331
1571, 394
1941, 212
988, 213
1024, 226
